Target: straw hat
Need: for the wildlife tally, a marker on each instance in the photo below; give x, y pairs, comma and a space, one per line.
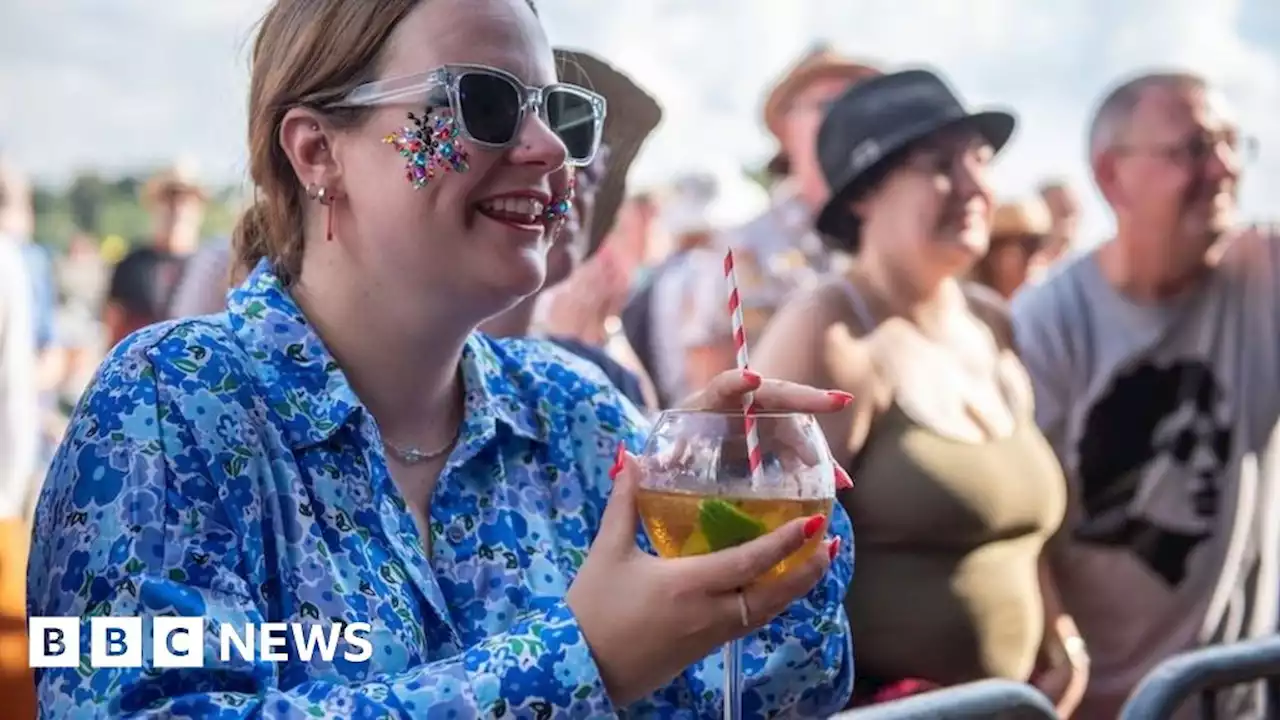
632, 116
1019, 219
819, 63
172, 181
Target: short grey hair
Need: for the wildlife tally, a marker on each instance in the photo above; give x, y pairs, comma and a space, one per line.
1111, 120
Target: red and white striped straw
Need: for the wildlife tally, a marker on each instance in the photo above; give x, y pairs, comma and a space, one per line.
740, 344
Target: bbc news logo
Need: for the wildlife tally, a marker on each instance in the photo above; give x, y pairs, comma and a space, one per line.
179, 642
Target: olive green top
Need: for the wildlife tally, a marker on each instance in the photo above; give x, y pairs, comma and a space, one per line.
949, 539
950, 535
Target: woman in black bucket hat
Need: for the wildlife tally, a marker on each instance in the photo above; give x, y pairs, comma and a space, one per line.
957, 490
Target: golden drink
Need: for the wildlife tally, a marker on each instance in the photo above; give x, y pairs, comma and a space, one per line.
676, 522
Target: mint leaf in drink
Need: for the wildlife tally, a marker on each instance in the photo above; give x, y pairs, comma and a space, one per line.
725, 526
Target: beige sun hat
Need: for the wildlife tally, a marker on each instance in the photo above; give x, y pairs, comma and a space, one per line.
819, 63
633, 114
175, 180
1020, 218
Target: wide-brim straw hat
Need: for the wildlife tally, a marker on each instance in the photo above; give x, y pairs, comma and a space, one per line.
819, 63
1021, 218
171, 182
632, 116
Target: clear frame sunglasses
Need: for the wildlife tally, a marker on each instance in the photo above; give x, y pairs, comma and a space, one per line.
490, 106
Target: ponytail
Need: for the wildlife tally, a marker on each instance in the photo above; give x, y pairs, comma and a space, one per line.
249, 241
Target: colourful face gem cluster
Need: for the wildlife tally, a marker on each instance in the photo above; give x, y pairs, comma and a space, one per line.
429, 147
560, 206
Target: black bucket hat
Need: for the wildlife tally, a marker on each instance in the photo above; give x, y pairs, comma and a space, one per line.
873, 122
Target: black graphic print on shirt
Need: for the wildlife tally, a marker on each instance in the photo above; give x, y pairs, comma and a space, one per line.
1171, 413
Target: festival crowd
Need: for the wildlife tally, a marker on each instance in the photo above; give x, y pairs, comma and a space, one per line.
411, 386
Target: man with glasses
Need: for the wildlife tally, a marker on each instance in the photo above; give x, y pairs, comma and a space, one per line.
1156, 364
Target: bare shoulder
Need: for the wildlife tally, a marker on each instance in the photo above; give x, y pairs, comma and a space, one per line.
846, 355
992, 310
799, 334
815, 339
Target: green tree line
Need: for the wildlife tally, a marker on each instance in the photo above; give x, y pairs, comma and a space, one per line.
101, 206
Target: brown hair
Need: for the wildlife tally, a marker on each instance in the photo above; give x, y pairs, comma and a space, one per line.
307, 53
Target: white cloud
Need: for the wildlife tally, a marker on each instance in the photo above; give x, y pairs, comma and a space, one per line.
134, 82
1051, 62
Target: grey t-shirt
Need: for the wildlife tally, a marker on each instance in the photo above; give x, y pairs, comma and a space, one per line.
1161, 416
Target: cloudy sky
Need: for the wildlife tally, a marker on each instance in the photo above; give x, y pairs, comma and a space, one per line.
122, 84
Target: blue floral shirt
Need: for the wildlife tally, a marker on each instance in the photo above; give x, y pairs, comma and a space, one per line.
223, 467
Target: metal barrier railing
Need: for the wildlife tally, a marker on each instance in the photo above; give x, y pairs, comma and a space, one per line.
1203, 671
982, 700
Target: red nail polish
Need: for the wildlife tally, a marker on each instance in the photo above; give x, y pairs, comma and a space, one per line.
752, 377
813, 525
843, 481
842, 399
833, 549
617, 460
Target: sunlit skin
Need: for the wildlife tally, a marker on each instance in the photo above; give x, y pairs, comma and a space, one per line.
930, 219
571, 241
176, 218
563, 257
459, 266
1170, 207
799, 133
1010, 264
410, 273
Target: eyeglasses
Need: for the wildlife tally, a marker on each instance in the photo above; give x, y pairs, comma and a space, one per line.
1197, 150
490, 105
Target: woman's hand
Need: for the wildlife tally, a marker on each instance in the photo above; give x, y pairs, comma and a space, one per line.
725, 392
1066, 667
646, 619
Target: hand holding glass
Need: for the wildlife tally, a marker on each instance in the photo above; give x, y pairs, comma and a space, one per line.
701, 493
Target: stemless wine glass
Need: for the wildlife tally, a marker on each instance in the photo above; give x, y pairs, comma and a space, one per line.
699, 492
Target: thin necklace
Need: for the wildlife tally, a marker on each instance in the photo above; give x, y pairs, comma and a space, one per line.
415, 456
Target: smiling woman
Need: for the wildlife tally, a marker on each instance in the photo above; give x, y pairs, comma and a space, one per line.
341, 446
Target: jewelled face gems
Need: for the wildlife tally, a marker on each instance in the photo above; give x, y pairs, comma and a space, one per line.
559, 207
429, 146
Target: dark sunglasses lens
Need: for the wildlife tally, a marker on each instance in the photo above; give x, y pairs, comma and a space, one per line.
490, 107
572, 117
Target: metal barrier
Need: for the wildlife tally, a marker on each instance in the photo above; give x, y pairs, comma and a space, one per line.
983, 700
1203, 671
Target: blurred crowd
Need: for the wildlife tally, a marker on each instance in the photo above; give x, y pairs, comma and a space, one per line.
1061, 453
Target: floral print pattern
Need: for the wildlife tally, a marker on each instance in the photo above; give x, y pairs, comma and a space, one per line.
223, 467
